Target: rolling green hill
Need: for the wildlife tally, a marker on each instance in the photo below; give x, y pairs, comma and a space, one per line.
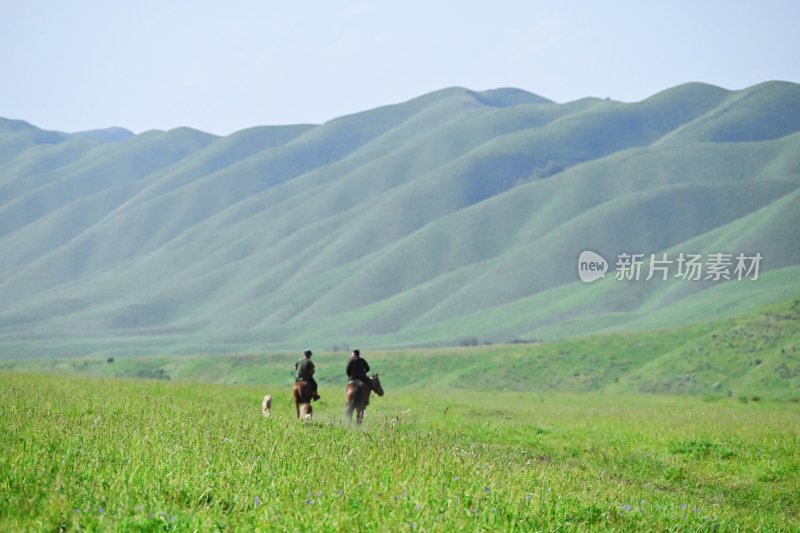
456, 215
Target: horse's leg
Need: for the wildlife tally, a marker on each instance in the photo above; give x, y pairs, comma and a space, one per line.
360, 416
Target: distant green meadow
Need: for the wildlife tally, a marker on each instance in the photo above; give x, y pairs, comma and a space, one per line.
92, 453
749, 358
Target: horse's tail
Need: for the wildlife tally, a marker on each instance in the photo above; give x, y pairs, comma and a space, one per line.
348, 393
353, 392
296, 394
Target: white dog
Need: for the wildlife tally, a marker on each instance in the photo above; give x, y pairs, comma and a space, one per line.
266, 405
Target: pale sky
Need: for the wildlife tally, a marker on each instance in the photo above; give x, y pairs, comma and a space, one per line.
74, 65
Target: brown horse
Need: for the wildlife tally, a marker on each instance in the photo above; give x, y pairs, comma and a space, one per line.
357, 397
302, 393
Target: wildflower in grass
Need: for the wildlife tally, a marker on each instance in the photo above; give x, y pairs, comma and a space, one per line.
102, 511
626, 507
309, 501
684, 506
257, 502
76, 510
341, 492
319, 494
486, 489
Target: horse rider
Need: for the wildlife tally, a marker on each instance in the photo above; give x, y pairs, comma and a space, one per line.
357, 369
305, 371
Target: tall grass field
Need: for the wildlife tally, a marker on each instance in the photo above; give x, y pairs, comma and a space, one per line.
97, 453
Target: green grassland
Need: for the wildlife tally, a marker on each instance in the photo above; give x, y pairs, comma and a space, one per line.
693, 428
147, 455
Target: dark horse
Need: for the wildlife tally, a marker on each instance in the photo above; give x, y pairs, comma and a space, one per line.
302, 393
357, 397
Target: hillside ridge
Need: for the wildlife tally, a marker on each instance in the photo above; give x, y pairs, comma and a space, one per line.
414, 223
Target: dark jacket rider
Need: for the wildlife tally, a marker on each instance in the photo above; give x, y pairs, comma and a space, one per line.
357, 369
